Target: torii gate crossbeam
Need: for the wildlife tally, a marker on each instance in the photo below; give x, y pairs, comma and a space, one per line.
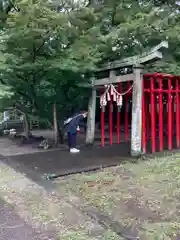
137, 62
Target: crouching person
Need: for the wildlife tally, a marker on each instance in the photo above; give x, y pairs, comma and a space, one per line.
71, 126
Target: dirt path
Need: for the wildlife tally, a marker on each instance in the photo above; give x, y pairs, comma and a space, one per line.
12, 227
129, 201
44, 212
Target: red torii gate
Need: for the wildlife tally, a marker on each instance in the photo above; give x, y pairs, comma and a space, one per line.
143, 86
159, 90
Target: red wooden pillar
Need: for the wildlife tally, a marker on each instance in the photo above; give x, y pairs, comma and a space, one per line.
153, 128
147, 102
160, 114
173, 113
110, 121
126, 115
169, 113
102, 126
143, 121
147, 106
118, 117
177, 114
102, 122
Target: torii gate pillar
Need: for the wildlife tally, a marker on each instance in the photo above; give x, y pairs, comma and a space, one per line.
90, 134
136, 125
153, 55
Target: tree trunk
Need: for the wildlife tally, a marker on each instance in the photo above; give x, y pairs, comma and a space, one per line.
56, 132
61, 133
26, 126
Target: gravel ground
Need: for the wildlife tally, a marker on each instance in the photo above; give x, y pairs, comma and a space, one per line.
12, 227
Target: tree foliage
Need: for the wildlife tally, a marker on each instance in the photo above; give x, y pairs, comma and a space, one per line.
48, 47
46, 52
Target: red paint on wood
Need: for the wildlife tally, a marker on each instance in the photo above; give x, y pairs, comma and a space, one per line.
173, 113
153, 128
102, 122
163, 90
102, 128
118, 127
110, 122
118, 118
169, 115
147, 115
126, 120
147, 106
160, 114
177, 114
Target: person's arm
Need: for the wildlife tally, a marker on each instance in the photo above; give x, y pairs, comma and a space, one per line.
79, 119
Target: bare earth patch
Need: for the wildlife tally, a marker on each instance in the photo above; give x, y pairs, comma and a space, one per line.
45, 212
131, 201
141, 200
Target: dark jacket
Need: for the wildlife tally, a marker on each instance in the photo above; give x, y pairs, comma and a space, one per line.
71, 127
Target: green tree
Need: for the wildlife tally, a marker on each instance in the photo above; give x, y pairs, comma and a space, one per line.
46, 54
132, 27
49, 47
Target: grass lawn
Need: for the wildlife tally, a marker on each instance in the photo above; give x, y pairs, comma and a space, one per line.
144, 196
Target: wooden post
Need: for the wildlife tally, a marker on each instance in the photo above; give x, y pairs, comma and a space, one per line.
90, 134
112, 75
6, 115
136, 132
56, 132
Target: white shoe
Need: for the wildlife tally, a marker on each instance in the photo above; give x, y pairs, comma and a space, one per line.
74, 150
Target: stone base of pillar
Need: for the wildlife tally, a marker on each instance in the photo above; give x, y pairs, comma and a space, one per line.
136, 154
90, 143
